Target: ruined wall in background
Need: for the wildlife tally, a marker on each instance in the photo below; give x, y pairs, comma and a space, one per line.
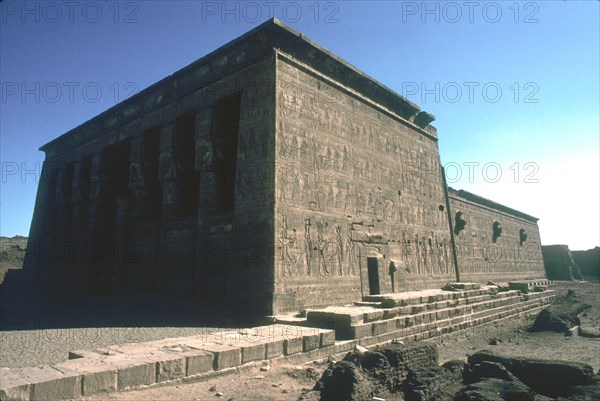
494, 242
560, 263
588, 261
354, 191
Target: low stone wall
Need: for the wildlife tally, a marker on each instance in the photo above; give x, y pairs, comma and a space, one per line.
132, 365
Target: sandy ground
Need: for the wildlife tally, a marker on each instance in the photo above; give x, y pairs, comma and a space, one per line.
287, 382
36, 332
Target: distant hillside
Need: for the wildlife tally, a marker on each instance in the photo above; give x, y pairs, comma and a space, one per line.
12, 254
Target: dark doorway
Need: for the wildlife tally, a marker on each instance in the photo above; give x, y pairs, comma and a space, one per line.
373, 276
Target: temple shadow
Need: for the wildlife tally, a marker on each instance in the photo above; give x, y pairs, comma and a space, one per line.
22, 309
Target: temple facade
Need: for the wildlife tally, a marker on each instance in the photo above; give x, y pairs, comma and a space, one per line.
269, 174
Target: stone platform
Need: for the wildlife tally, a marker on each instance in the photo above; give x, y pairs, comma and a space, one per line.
420, 315
378, 319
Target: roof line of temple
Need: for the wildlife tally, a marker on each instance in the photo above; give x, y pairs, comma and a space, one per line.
166, 90
469, 196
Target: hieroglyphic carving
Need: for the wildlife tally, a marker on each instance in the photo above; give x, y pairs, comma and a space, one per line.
323, 249
291, 254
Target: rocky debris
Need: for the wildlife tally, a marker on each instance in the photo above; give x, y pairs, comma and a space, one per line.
365, 374
548, 377
553, 320
311, 395
572, 332
345, 381
487, 370
378, 367
500, 287
495, 390
589, 332
589, 392
561, 315
430, 384
494, 341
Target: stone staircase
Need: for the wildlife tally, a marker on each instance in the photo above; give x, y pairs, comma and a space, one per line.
421, 315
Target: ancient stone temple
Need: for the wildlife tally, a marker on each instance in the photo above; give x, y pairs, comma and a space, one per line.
269, 174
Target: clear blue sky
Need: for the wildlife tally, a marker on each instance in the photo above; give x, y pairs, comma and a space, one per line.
514, 86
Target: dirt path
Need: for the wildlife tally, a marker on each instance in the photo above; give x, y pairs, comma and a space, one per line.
288, 382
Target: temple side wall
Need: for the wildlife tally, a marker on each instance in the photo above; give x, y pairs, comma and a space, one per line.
484, 253
355, 189
139, 208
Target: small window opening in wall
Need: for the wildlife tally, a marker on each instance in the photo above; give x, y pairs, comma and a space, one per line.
522, 236
459, 223
496, 231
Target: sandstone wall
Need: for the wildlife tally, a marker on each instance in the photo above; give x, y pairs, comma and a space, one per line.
495, 242
350, 191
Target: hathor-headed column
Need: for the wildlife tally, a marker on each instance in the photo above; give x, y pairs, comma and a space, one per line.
169, 174
208, 185
80, 200
205, 163
137, 181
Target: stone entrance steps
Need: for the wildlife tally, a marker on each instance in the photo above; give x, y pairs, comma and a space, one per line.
423, 314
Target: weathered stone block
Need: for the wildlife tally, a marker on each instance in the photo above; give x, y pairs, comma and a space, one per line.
382, 327
170, 368
361, 330
390, 313
310, 342
253, 352
225, 356
96, 378
50, 384
133, 372
13, 386
327, 338
372, 316
274, 349
198, 362
292, 345
417, 309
